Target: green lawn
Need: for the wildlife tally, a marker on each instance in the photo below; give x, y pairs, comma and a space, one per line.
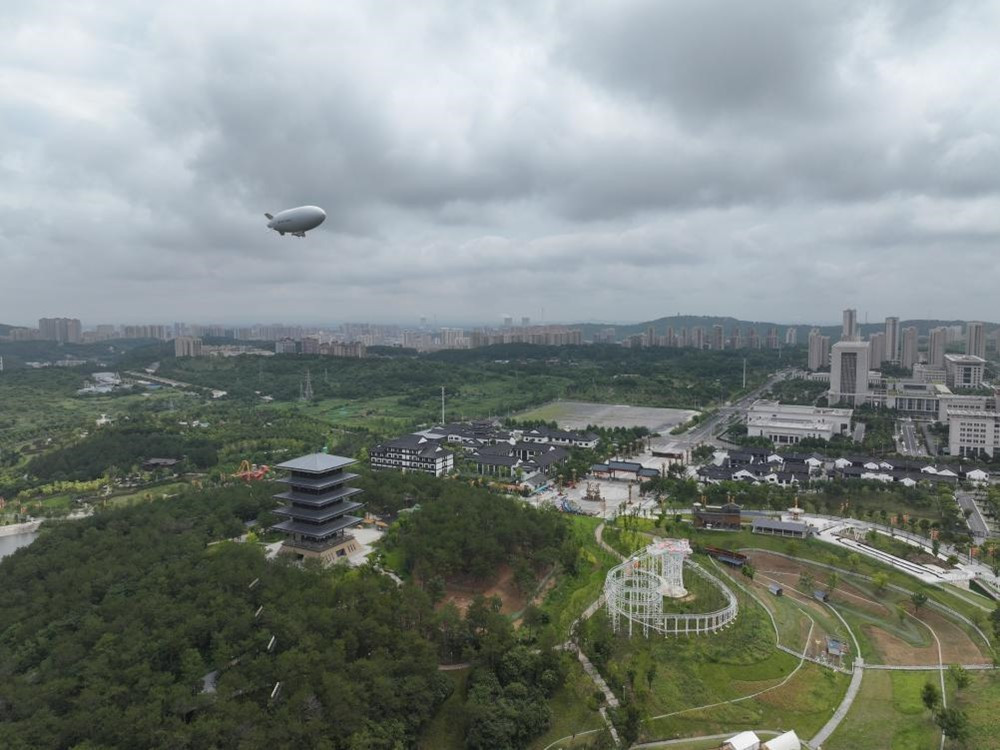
573, 594
981, 701
573, 710
818, 551
447, 729
888, 713
805, 703
155, 492
703, 670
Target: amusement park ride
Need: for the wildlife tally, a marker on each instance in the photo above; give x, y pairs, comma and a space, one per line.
635, 592
251, 472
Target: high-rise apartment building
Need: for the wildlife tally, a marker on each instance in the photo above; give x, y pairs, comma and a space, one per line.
819, 350
975, 339
909, 357
63, 330
718, 337
791, 336
936, 346
698, 337
849, 364
877, 340
850, 330
772, 338
892, 341
187, 346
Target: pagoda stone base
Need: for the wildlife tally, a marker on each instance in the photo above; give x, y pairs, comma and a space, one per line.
340, 550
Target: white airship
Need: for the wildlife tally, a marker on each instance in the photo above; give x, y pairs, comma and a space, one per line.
296, 221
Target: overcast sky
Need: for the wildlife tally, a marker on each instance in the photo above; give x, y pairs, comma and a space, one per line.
599, 161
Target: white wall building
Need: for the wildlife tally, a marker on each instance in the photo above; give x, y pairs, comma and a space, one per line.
786, 424
973, 433
964, 370
849, 372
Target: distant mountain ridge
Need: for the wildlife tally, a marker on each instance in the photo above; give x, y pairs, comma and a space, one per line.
678, 322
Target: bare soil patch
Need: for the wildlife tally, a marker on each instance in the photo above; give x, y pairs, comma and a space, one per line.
462, 592
957, 646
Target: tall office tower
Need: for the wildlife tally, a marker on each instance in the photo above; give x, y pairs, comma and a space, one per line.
698, 337
791, 336
975, 339
849, 362
850, 331
936, 346
718, 340
909, 357
819, 350
877, 340
892, 341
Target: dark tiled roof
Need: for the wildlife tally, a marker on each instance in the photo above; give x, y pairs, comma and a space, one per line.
316, 463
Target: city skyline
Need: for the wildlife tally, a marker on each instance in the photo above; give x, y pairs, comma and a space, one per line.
587, 158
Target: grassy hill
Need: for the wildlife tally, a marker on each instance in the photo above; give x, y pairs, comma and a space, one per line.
677, 322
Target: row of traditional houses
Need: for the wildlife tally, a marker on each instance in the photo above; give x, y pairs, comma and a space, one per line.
487, 445
792, 469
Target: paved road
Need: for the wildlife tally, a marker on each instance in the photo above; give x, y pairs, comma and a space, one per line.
705, 432
930, 439
909, 442
977, 523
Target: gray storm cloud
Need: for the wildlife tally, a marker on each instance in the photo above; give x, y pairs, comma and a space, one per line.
604, 161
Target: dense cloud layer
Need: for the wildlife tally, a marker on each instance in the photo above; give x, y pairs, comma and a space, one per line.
770, 160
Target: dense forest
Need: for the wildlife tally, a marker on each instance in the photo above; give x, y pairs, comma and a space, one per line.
111, 625
471, 532
121, 448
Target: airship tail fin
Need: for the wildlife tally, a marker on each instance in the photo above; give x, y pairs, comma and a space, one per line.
269, 216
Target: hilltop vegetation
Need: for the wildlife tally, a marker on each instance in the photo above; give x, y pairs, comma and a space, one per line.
471, 532
123, 448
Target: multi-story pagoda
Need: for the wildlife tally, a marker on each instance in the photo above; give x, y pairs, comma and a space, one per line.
319, 504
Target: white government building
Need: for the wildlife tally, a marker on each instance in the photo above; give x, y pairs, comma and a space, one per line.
786, 424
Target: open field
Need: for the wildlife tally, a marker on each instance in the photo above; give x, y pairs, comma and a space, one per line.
737, 680
888, 714
886, 635
575, 415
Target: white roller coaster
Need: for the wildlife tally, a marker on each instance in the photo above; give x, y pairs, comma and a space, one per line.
634, 592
